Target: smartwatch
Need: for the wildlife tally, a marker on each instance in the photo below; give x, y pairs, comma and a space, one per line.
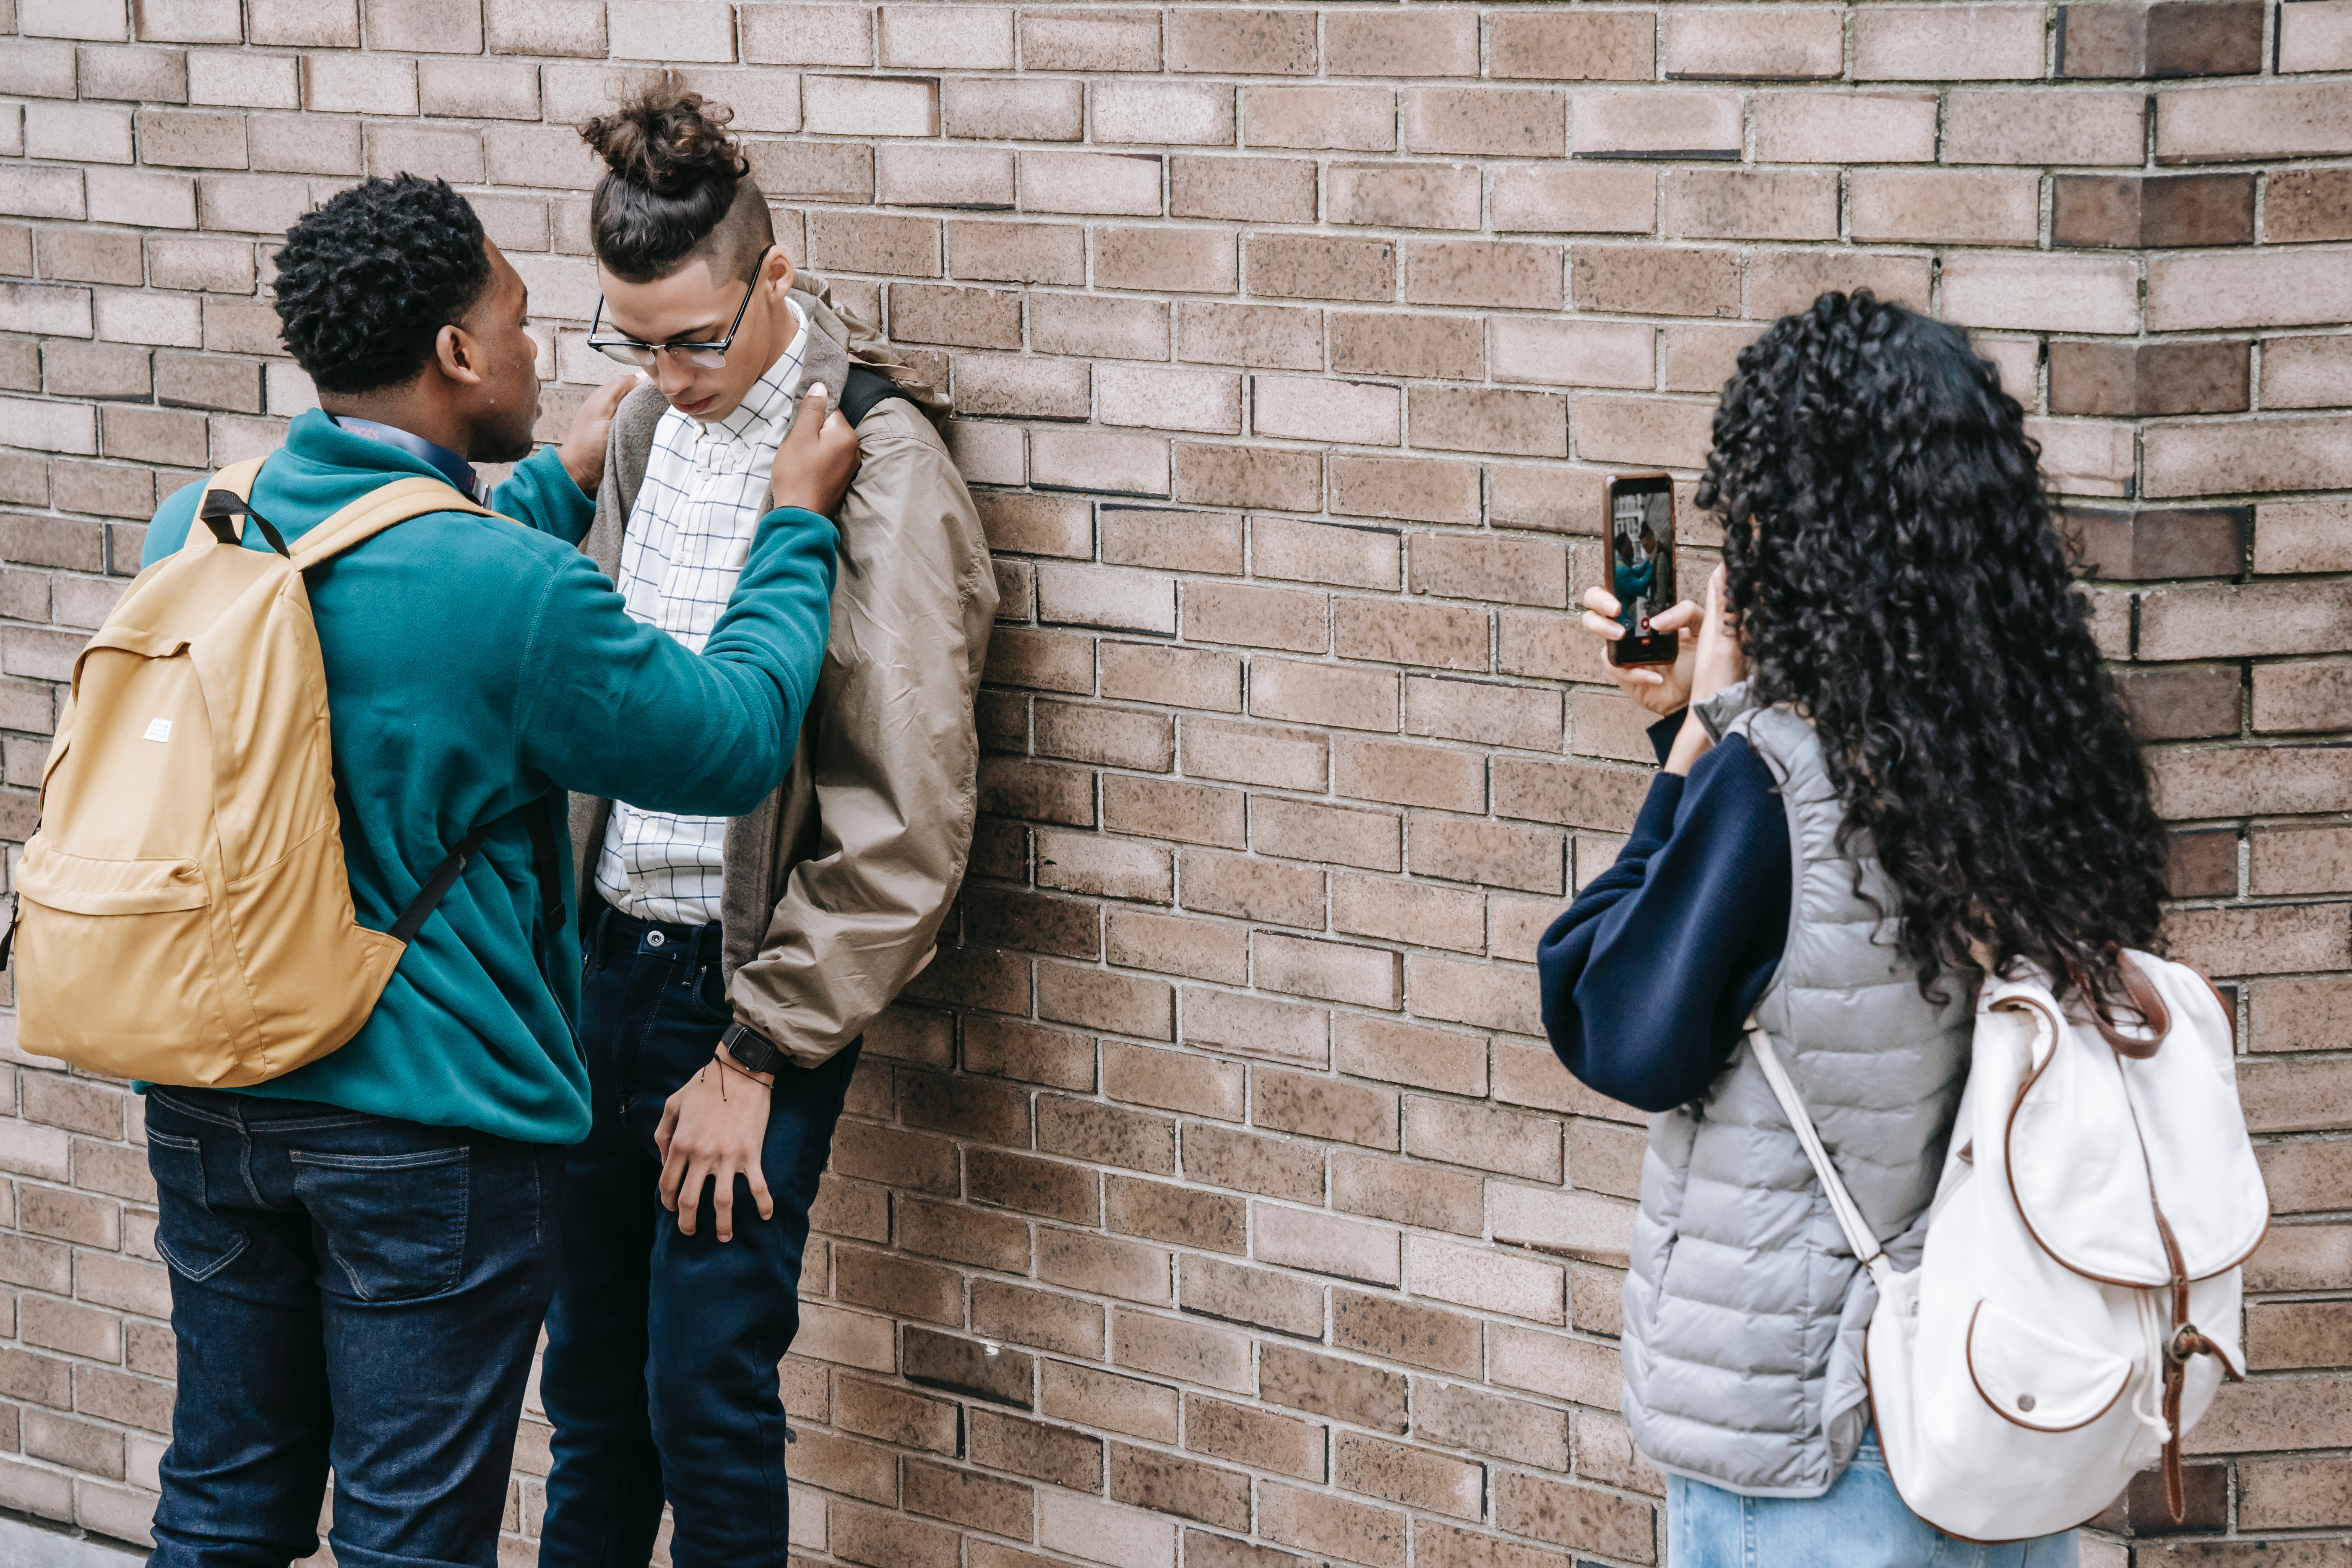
750, 1050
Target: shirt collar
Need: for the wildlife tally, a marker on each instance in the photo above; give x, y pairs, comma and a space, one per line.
769, 402
452, 466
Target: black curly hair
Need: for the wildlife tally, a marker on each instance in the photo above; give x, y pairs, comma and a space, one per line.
367, 282
675, 186
1889, 552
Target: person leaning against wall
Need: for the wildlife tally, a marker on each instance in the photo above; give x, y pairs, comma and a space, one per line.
361, 1250
1891, 706
734, 960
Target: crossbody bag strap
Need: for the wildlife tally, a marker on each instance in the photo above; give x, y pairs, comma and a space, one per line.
1849, 1215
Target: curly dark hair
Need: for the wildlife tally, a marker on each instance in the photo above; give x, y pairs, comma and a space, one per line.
676, 184
1889, 553
367, 282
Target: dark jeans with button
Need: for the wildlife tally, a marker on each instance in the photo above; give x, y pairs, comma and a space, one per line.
349, 1292
660, 1372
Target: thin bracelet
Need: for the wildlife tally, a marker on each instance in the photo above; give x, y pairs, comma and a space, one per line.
723, 1060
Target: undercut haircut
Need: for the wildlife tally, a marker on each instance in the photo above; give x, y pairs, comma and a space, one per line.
676, 186
366, 283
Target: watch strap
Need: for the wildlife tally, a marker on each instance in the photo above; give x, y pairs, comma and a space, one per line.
751, 1051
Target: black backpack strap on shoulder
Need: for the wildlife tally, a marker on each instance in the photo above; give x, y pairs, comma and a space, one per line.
861, 389
219, 506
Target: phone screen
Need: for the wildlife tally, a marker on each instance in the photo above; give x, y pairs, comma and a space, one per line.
1640, 566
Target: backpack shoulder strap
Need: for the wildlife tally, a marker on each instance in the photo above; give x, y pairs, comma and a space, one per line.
1842, 1205
226, 496
861, 389
378, 509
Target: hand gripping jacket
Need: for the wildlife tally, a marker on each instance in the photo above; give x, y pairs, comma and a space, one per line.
184, 915
2077, 1303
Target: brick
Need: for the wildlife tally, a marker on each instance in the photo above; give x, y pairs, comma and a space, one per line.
2162, 40
2276, 1494
2219, 124
2271, 454
1565, 46
1672, 280
1419, 489
1186, 1351
1776, 203
1503, 273
1243, 1161
1654, 122
888, 1541
1577, 1516
1780, 43
1287, 618
1356, 43
1254, 1027
1245, 42
1188, 677
1322, 1522
1846, 127
1100, 327
2144, 211
1418, 1479
2306, 373
1105, 1134
1253, 190
1416, 345
1090, 41
2043, 127
2300, 1413
1322, 1107
1325, 1244
2136, 380
1782, 281
1043, 111
1182, 113
1968, 208
1574, 198
1081, 1260
2307, 204
1319, 119
2269, 288
1015, 252
1254, 1436
1164, 1483
1414, 195
1260, 1297
1486, 122
1162, 1212
1105, 1399
2054, 293
1924, 43
1101, 461
1037, 1449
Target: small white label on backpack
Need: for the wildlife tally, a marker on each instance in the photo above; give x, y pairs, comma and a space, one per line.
158, 730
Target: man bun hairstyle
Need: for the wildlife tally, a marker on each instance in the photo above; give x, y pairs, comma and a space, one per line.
675, 186
366, 283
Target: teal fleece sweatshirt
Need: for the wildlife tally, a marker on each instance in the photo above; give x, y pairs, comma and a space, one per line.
475, 666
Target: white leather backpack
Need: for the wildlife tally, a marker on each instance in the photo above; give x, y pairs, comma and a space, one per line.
2077, 1302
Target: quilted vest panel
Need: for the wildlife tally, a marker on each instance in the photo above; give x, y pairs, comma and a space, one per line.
1744, 1307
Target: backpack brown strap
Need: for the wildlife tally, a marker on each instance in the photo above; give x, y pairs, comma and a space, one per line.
378, 509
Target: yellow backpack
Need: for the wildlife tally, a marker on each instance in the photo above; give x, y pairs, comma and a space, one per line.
182, 914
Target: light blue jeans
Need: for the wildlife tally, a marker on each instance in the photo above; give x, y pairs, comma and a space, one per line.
1859, 1522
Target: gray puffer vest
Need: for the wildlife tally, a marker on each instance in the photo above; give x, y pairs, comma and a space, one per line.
1745, 1307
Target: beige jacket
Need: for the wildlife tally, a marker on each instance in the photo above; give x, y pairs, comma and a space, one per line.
836, 885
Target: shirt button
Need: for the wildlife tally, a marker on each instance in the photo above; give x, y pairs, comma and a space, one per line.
655, 939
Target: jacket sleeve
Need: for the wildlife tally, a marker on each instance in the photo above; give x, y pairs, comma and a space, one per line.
539, 493
892, 749
618, 707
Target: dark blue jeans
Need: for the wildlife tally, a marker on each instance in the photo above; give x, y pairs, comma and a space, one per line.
660, 1372
349, 1292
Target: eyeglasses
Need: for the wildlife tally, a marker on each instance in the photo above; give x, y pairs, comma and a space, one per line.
706, 356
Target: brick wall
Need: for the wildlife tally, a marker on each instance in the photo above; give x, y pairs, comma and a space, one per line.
1217, 1188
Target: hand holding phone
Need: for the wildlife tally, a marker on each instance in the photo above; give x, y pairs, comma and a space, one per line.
1638, 568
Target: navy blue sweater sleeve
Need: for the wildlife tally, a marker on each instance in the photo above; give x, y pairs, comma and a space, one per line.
1649, 976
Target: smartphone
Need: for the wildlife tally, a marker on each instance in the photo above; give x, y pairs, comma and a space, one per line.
1639, 568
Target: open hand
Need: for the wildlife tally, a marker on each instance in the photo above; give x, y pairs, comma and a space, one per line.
1660, 687
711, 1131
582, 451
816, 459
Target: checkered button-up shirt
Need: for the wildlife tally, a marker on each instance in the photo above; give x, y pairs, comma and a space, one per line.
704, 491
